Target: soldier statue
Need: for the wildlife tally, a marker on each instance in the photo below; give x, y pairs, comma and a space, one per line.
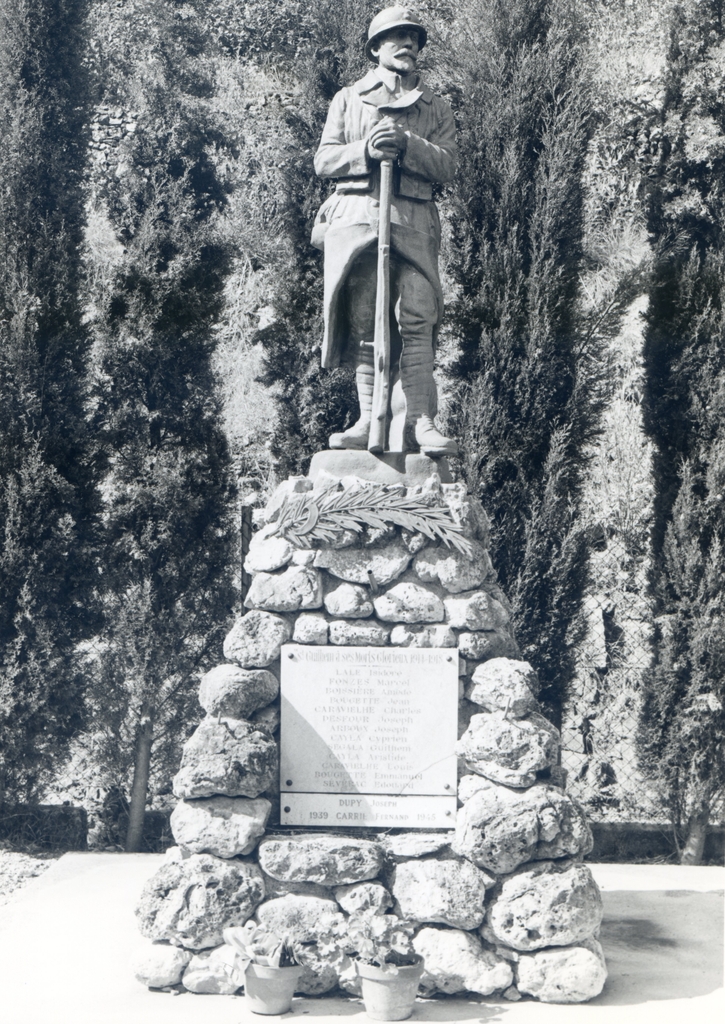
389, 115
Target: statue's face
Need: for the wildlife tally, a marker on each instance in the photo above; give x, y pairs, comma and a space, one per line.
397, 50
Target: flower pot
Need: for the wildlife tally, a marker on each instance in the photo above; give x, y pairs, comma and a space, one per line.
389, 996
270, 989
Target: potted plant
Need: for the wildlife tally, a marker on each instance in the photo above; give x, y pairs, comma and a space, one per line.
388, 966
378, 948
271, 975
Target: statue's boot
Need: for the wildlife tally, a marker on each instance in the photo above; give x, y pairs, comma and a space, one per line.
357, 435
416, 372
431, 441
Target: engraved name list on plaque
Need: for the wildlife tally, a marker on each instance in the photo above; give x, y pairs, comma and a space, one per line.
368, 736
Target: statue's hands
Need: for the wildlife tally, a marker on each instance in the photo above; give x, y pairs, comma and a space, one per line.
386, 141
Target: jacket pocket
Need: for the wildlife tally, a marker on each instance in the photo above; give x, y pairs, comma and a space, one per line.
415, 188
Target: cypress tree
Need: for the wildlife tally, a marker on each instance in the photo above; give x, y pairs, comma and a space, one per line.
47, 502
169, 535
527, 377
328, 53
683, 719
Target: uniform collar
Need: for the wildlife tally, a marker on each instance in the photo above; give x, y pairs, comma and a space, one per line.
376, 92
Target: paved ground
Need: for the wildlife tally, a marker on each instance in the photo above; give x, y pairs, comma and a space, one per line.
65, 943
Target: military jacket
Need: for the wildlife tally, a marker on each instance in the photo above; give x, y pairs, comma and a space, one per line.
426, 119
347, 222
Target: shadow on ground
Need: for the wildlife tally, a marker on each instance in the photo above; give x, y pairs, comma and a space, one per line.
661, 945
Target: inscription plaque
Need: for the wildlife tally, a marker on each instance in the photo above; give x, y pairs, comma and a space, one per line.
368, 736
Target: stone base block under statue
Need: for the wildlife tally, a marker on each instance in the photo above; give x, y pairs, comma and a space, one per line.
387, 468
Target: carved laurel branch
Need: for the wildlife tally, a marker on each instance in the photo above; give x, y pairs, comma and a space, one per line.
312, 517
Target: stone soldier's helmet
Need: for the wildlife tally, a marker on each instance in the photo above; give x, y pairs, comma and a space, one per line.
390, 18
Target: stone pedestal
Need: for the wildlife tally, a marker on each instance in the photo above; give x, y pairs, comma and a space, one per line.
383, 552
388, 468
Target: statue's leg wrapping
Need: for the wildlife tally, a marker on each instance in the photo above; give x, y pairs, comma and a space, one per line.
359, 297
416, 311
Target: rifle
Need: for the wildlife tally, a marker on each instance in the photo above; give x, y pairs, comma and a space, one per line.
381, 342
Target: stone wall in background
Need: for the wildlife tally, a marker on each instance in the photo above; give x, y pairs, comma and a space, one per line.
503, 903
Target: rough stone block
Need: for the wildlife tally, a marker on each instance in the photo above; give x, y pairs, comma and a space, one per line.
233, 692
190, 902
343, 539
438, 635
552, 903
455, 961
274, 888
509, 751
373, 536
448, 892
503, 684
475, 610
303, 556
428, 491
298, 916
327, 860
500, 828
221, 825
310, 628
358, 633
256, 639
157, 964
297, 588
487, 644
413, 542
468, 785
268, 551
415, 844
452, 569
226, 758
569, 974
352, 564
363, 898
409, 602
349, 601
467, 511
